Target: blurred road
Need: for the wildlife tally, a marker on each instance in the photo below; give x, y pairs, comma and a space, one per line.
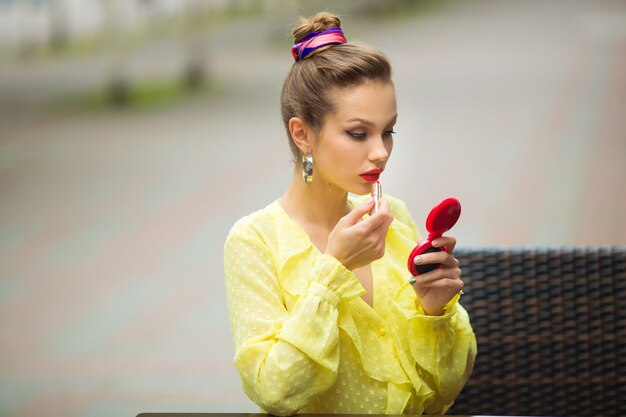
112, 222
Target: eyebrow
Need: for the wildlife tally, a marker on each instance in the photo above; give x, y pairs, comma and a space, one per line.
369, 123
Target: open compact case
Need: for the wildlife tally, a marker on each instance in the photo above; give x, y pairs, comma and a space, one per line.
440, 219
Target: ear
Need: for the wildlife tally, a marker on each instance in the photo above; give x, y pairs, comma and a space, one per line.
300, 133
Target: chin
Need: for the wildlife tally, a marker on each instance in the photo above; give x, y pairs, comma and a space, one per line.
363, 189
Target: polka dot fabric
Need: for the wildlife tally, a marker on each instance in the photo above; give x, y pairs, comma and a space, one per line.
307, 342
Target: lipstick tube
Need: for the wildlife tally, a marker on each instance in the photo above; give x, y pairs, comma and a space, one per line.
377, 193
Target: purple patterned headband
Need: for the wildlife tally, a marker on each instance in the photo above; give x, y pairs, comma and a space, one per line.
316, 40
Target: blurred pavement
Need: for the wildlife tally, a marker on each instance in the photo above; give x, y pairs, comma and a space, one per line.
112, 222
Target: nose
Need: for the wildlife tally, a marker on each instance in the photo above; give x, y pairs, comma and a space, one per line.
380, 150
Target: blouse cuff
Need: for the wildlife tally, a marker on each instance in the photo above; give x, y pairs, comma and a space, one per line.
449, 310
342, 282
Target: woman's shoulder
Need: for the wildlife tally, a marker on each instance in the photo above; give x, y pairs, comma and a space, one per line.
397, 207
402, 218
403, 222
269, 229
257, 222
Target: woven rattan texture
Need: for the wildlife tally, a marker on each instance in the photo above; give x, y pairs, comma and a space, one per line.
551, 331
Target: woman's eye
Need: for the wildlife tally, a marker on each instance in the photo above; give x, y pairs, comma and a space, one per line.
389, 132
356, 134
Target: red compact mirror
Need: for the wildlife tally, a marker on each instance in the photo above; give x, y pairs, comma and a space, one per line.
440, 219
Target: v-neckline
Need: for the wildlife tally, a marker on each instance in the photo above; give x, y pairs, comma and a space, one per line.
376, 287
301, 228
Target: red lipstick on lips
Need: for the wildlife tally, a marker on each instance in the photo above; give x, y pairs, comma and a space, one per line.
371, 175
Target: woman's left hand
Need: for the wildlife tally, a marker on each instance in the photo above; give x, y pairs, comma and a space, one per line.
436, 288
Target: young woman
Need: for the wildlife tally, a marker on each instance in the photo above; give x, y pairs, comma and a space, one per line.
324, 314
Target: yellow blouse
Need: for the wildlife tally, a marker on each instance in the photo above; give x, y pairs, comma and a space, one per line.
307, 342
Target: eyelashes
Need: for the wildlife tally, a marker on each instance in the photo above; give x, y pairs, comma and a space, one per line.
356, 135
363, 135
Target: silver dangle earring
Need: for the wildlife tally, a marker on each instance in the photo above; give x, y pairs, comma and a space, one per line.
307, 168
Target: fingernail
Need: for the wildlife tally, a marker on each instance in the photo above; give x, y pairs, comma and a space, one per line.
412, 281
435, 243
417, 260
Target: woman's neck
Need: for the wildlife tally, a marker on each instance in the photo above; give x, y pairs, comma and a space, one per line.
314, 204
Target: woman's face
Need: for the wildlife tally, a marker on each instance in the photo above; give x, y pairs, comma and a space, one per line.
355, 142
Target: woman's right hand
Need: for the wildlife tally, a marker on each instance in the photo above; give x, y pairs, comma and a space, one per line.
357, 243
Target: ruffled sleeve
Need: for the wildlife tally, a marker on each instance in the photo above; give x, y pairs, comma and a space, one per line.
285, 356
440, 349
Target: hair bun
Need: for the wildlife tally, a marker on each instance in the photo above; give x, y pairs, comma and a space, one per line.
320, 22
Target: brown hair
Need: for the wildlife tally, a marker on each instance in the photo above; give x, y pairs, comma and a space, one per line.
307, 88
